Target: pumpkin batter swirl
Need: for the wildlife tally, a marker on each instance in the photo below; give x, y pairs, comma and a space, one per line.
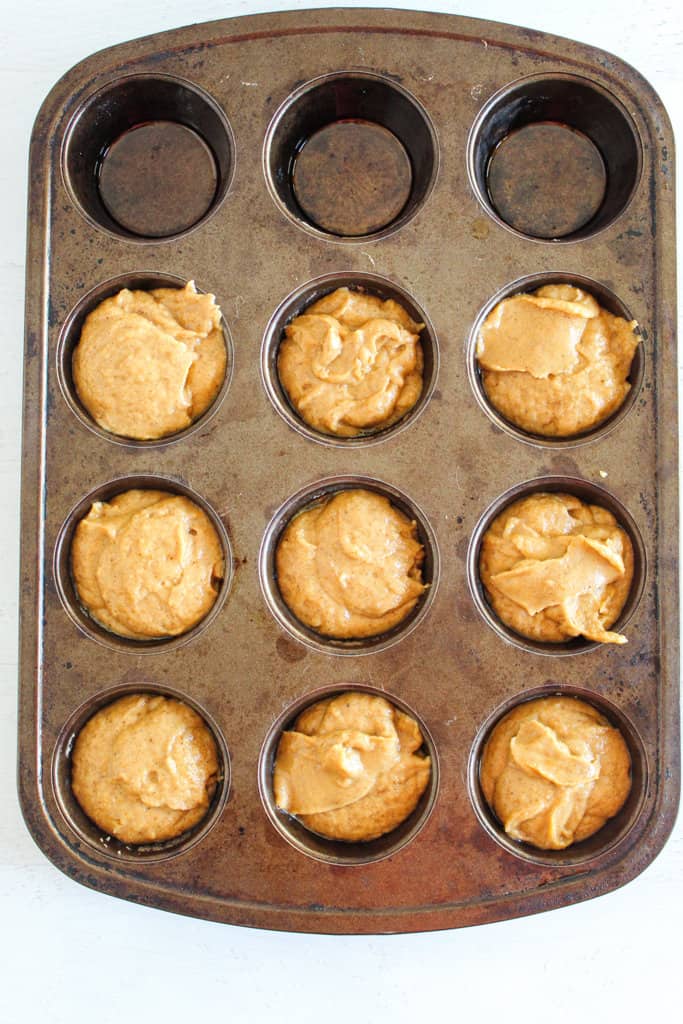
352, 363
350, 567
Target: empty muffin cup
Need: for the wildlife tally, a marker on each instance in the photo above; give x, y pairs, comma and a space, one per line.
554, 157
69, 337
331, 851
608, 301
612, 833
67, 588
148, 156
588, 493
296, 304
90, 834
350, 156
315, 496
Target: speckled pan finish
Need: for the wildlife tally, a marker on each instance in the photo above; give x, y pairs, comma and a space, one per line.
453, 461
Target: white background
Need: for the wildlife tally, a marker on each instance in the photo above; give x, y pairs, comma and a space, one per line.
69, 954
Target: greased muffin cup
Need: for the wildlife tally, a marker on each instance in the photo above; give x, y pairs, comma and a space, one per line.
273, 159
69, 337
613, 832
589, 494
87, 830
330, 851
68, 591
148, 157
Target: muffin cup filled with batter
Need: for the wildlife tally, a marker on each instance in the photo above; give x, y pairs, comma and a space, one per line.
555, 360
145, 360
349, 565
141, 772
557, 566
349, 359
557, 775
384, 753
143, 564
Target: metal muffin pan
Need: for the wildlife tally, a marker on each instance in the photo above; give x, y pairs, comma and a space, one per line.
250, 92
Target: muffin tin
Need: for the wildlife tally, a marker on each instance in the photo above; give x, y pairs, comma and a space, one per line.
232, 106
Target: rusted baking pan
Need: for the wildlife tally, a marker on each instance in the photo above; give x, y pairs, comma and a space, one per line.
451, 162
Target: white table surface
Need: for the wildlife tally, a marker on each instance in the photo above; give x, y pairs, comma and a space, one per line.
69, 954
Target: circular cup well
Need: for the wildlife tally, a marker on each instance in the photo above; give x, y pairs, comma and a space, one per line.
364, 130
67, 589
332, 851
554, 157
297, 303
612, 833
609, 301
313, 495
586, 492
86, 829
148, 156
70, 335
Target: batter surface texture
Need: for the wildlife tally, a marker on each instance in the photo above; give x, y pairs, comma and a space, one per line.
554, 771
352, 363
350, 567
147, 564
554, 362
150, 363
145, 768
350, 768
556, 568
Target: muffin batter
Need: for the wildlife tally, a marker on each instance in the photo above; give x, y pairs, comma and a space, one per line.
144, 768
351, 363
554, 771
554, 362
147, 564
555, 568
149, 363
350, 567
351, 769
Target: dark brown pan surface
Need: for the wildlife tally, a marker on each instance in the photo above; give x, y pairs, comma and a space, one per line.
464, 109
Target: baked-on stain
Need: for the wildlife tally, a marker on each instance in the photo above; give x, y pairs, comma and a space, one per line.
288, 650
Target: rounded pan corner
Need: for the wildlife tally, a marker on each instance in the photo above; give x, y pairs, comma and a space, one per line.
42, 833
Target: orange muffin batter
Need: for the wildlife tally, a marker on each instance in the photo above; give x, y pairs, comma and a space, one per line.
554, 362
554, 771
351, 768
148, 364
147, 564
351, 363
145, 768
555, 568
350, 566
